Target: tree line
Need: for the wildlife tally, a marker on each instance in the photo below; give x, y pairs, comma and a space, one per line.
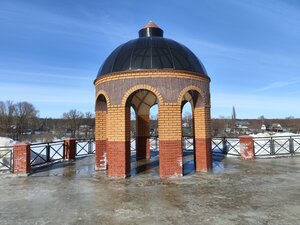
21, 121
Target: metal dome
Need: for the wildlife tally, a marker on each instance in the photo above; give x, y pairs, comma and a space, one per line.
151, 51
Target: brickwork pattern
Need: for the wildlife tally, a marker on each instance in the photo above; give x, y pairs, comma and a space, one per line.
118, 158
21, 158
118, 123
169, 122
100, 155
100, 120
202, 99
203, 154
247, 148
141, 87
152, 73
170, 158
170, 87
202, 122
170, 144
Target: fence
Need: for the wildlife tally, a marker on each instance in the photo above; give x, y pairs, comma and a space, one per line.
85, 147
263, 146
47, 152
6, 158
226, 146
276, 146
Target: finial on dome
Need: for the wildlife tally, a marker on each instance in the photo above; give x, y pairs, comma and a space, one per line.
151, 30
151, 24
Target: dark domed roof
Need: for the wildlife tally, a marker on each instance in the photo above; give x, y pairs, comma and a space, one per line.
151, 51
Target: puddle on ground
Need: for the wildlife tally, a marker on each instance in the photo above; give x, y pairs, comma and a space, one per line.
145, 167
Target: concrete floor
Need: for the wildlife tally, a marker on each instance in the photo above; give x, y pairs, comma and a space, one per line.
265, 191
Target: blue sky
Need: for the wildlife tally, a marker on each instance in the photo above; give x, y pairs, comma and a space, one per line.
50, 51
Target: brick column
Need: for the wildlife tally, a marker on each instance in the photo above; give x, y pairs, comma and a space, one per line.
247, 148
203, 153
142, 137
70, 148
170, 145
22, 158
118, 141
100, 137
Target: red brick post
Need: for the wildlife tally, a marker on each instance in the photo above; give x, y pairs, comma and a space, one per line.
70, 148
22, 158
118, 141
203, 153
101, 140
170, 144
247, 148
142, 137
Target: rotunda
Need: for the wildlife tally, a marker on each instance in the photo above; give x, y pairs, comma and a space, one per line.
140, 73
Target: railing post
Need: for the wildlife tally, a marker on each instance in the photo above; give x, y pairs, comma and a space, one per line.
70, 148
272, 146
224, 144
11, 161
21, 158
291, 146
90, 149
247, 148
48, 152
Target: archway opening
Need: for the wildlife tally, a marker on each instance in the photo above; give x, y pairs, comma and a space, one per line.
187, 126
144, 157
192, 128
101, 132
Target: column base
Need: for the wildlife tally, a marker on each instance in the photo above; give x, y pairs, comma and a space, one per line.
203, 154
170, 159
100, 156
118, 158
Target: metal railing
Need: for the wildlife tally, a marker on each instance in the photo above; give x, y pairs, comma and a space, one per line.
85, 147
276, 146
47, 152
154, 143
187, 143
226, 146
6, 158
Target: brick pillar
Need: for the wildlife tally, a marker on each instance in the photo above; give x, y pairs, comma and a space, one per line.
142, 137
22, 158
247, 148
203, 153
170, 145
118, 141
70, 148
100, 136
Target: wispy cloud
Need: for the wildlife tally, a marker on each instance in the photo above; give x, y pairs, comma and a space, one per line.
279, 84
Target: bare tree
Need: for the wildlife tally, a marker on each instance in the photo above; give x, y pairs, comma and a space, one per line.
73, 121
26, 116
7, 110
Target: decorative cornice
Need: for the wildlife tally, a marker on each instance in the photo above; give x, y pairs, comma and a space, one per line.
151, 74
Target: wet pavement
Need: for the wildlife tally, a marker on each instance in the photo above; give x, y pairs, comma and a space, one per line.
265, 191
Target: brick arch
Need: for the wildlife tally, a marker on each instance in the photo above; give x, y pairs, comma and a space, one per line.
140, 87
102, 92
204, 101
